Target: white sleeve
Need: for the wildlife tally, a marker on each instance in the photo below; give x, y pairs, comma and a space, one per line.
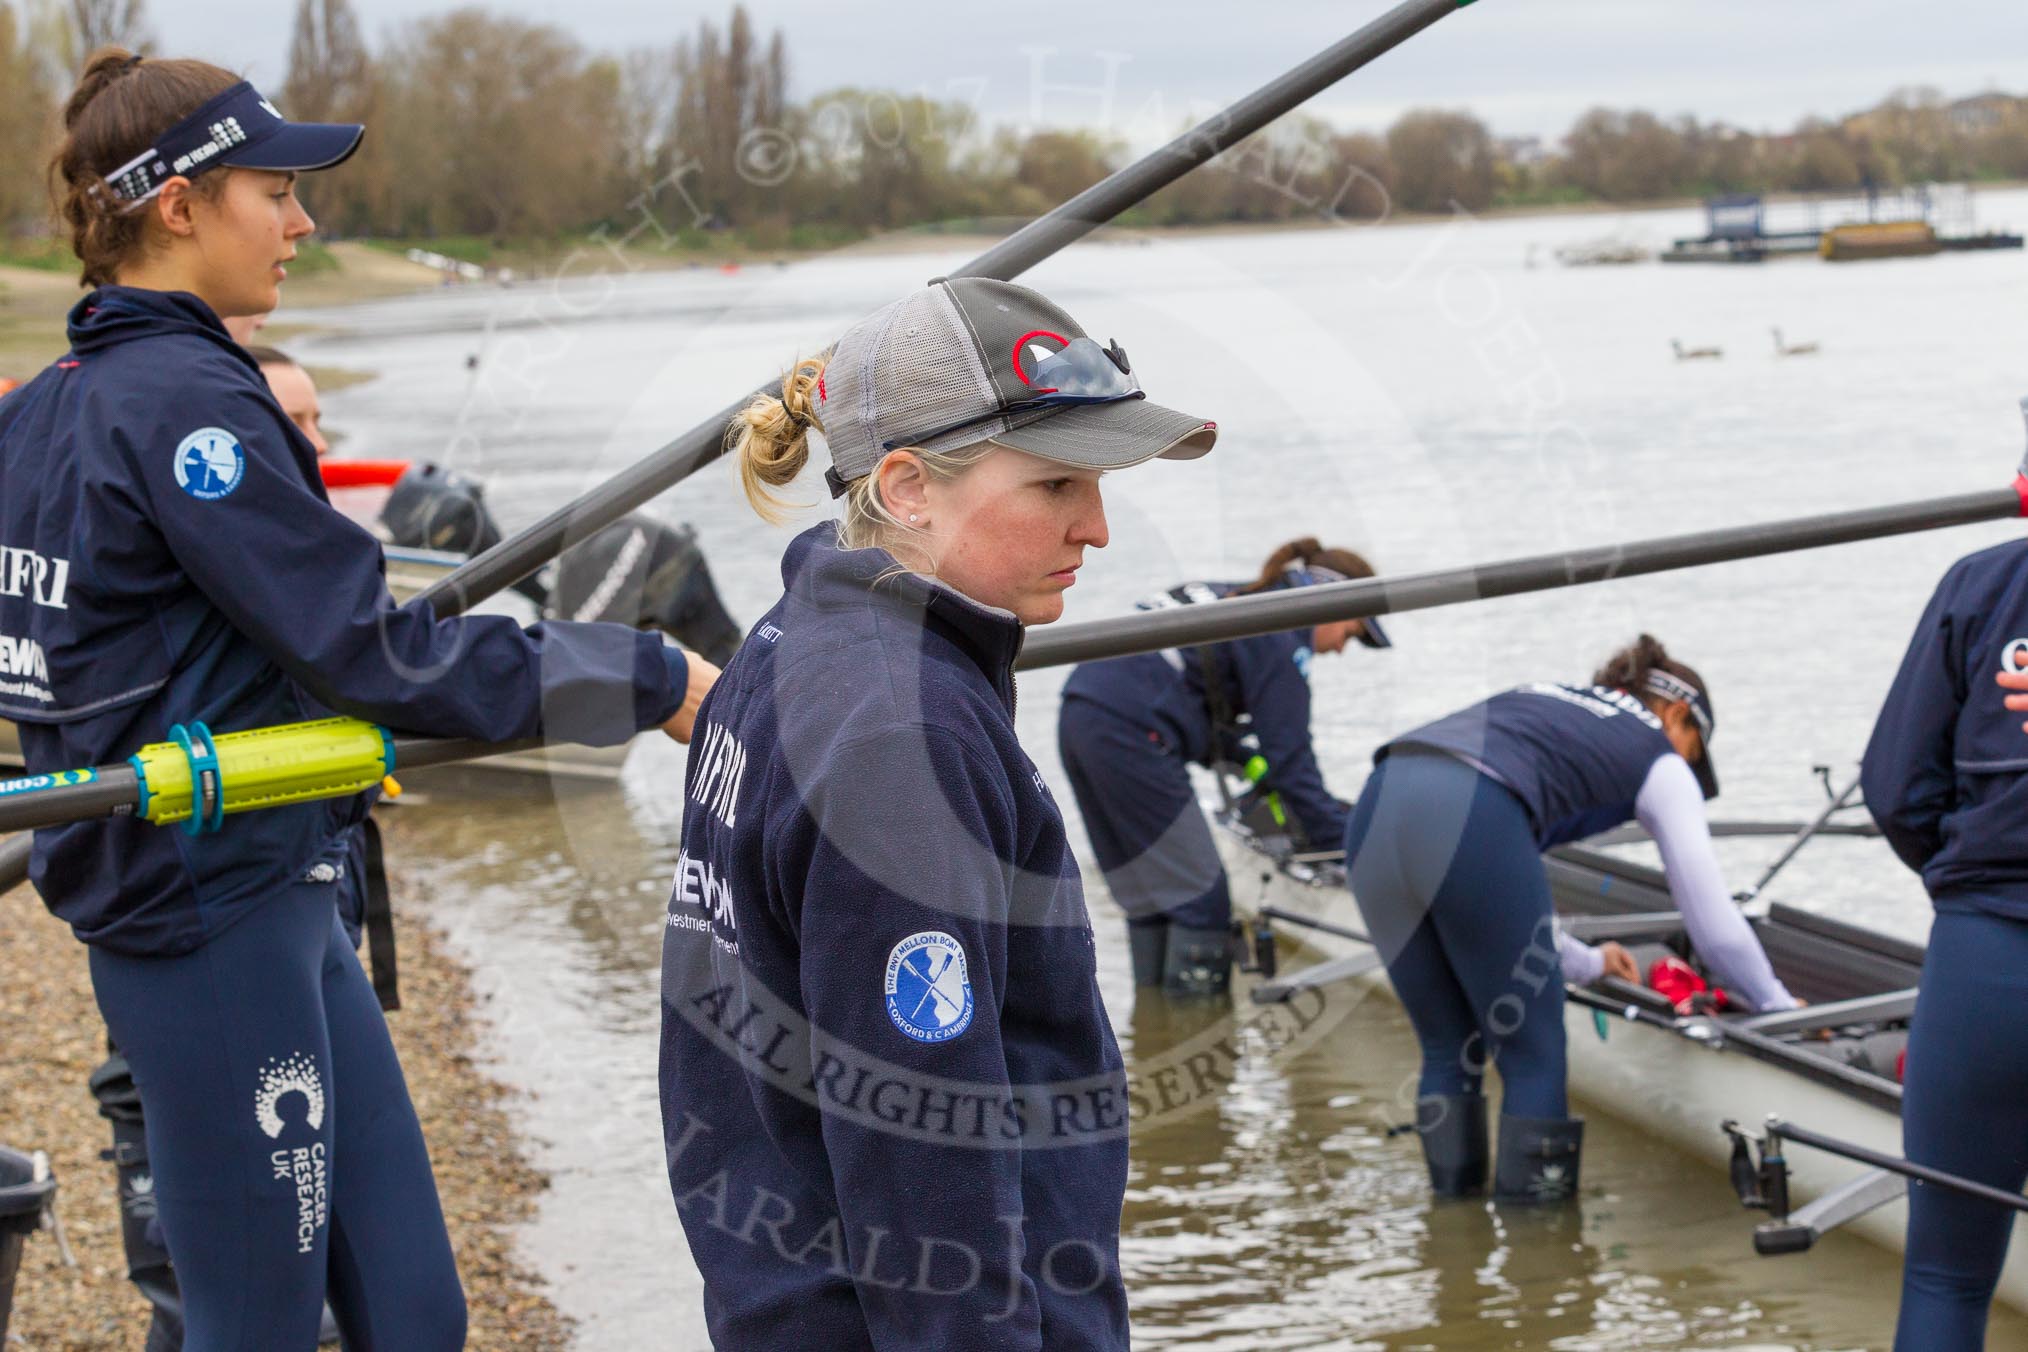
1581, 963
1671, 808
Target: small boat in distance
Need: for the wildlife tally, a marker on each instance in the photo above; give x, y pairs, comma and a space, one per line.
1695, 353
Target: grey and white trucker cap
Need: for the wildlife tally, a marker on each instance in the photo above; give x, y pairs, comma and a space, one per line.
971, 359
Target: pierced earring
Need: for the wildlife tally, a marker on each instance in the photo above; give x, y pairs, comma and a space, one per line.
911, 518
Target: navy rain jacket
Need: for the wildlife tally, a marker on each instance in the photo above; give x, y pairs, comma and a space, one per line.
1946, 771
168, 555
1575, 755
1266, 677
894, 1109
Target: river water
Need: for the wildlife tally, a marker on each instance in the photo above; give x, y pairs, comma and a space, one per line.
1418, 392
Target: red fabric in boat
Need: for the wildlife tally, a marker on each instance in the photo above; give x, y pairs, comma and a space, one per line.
361, 473
1677, 982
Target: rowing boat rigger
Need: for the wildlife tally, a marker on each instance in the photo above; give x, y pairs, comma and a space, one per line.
1831, 1067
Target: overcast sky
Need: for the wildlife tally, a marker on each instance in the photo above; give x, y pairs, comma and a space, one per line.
1525, 66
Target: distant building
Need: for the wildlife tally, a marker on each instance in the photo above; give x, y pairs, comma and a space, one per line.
1980, 112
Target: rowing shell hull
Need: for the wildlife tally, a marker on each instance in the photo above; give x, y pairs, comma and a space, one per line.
1666, 1084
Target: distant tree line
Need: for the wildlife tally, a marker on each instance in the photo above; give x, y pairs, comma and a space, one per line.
496, 127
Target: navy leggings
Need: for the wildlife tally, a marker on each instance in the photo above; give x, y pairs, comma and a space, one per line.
287, 1158
1445, 867
1146, 827
1964, 1110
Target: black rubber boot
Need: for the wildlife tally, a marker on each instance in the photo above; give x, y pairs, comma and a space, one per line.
1148, 944
1198, 964
140, 1233
1539, 1158
1453, 1132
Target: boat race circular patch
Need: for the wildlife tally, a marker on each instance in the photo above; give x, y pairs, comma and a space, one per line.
929, 995
210, 463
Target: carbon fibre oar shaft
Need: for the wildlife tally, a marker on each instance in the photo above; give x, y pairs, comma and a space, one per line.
1272, 612
527, 550
14, 860
115, 788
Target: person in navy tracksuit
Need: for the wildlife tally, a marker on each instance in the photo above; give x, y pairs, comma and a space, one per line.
894, 1110
168, 556
1129, 727
1946, 777
1443, 851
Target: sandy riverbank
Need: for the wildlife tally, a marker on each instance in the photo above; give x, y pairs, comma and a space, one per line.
54, 1038
34, 301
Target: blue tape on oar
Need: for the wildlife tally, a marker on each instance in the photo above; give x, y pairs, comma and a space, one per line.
207, 789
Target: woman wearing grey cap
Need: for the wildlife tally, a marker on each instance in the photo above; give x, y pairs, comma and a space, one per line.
894, 1110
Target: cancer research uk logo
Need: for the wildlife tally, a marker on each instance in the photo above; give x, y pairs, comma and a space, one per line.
296, 1074
929, 997
209, 463
301, 1168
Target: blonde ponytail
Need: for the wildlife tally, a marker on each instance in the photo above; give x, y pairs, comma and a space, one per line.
770, 440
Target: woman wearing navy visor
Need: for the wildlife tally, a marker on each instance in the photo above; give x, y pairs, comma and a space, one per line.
881, 1019
1444, 854
184, 566
1946, 777
1129, 727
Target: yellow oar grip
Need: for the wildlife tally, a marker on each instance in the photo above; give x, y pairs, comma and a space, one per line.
263, 767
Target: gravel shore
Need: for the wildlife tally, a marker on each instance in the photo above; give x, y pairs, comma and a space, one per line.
51, 1037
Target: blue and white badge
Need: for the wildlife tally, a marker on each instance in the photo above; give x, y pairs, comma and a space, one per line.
210, 463
929, 997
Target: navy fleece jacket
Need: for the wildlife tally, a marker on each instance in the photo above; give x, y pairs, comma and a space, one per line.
1946, 771
894, 1109
168, 555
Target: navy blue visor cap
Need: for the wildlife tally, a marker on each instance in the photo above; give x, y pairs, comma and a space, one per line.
1675, 689
1371, 635
240, 129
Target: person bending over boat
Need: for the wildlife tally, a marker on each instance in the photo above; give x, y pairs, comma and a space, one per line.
894, 1110
172, 559
1946, 777
1444, 857
1130, 726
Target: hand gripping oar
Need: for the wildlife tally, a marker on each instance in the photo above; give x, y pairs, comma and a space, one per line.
513, 559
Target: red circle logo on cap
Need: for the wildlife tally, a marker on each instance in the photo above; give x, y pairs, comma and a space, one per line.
1026, 360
